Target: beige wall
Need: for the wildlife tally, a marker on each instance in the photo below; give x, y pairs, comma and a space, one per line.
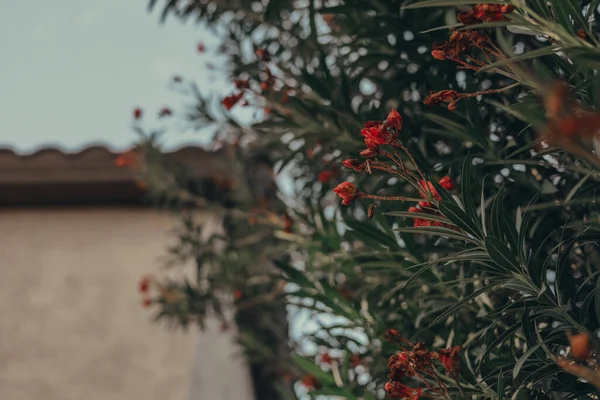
71, 323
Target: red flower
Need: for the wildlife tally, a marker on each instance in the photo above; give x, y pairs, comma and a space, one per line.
356, 360
354, 164
394, 120
392, 335
450, 360
443, 96
326, 176
201, 48
144, 285
369, 153
429, 189
326, 358
447, 183
263, 55
165, 112
231, 100
485, 13
348, 192
377, 135
127, 159
237, 294
438, 54
400, 390
580, 346
241, 84
137, 113
310, 382
146, 302
427, 206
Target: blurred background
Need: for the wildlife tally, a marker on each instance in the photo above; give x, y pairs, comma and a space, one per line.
77, 231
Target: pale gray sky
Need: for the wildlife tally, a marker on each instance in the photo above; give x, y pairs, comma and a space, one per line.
72, 71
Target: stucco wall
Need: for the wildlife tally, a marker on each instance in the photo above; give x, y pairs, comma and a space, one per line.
71, 323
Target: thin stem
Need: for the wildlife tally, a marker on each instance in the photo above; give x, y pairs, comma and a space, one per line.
491, 91
391, 198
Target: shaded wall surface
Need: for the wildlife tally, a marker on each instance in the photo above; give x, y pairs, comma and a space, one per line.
71, 322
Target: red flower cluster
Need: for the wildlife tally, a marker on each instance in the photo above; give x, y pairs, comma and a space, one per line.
263, 55
450, 360
165, 112
417, 362
378, 133
126, 159
326, 176
348, 192
444, 96
144, 288
137, 113
458, 43
400, 390
310, 382
144, 285
356, 360
231, 100
241, 84
485, 13
201, 47
354, 164
326, 359
428, 188
428, 207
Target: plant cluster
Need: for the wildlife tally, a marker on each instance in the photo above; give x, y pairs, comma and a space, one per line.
477, 255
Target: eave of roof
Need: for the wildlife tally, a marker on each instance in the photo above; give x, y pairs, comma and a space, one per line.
50, 177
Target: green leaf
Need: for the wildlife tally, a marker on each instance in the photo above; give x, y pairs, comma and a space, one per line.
460, 218
466, 299
370, 234
528, 327
544, 51
521, 361
294, 275
496, 215
442, 3
436, 231
500, 386
428, 217
459, 130
466, 190
501, 255
482, 208
498, 341
597, 300
562, 15
584, 56
311, 368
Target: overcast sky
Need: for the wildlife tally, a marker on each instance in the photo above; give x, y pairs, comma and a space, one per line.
72, 71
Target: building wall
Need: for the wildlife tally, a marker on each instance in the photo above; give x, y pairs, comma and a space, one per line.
71, 322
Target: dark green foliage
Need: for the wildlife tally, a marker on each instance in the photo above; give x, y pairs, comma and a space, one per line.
520, 270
